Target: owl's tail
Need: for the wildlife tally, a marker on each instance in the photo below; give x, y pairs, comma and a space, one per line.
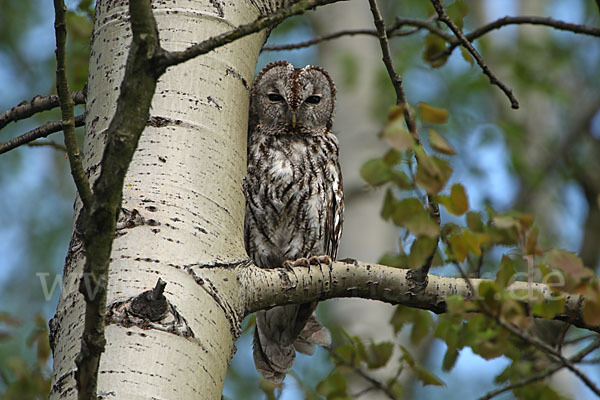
280, 332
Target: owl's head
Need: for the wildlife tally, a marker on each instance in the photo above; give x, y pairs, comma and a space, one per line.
288, 99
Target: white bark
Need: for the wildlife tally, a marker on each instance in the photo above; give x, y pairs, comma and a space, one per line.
185, 181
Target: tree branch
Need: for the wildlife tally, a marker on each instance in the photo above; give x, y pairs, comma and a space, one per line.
26, 109
48, 143
389, 65
266, 288
392, 31
544, 374
418, 277
123, 133
166, 59
67, 107
375, 384
467, 45
453, 41
47, 129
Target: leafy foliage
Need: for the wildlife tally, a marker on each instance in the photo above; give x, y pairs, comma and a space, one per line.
20, 379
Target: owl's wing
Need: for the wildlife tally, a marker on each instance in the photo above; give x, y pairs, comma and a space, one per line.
335, 213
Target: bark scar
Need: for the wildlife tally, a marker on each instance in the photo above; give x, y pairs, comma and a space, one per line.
147, 312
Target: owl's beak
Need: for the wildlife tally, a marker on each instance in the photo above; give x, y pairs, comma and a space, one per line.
294, 119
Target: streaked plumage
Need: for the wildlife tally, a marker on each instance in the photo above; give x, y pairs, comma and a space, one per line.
294, 198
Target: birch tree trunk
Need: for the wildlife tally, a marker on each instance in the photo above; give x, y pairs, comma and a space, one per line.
182, 207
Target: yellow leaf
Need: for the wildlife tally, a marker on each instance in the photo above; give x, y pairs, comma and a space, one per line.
397, 136
431, 114
440, 144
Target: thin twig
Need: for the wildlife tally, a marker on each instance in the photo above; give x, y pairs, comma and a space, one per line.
389, 65
166, 59
467, 45
392, 31
376, 384
37, 133
544, 374
579, 339
26, 109
67, 107
48, 143
418, 277
453, 42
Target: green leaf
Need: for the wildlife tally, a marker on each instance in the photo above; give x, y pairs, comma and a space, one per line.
474, 221
457, 11
421, 373
379, 354
422, 324
334, 386
431, 114
467, 56
455, 304
401, 316
506, 272
422, 248
394, 260
458, 246
411, 214
401, 180
268, 388
432, 172
392, 157
389, 204
549, 308
439, 143
457, 203
449, 359
348, 353
395, 388
434, 46
397, 136
376, 172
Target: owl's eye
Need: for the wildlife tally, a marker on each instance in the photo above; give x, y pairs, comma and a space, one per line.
275, 97
313, 99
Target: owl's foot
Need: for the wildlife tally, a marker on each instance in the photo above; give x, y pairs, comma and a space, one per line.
307, 262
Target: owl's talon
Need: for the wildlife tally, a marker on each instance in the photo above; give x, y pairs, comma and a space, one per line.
301, 262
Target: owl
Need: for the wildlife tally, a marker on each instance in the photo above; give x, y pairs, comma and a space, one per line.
294, 200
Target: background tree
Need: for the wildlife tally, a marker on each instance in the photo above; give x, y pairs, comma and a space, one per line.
473, 101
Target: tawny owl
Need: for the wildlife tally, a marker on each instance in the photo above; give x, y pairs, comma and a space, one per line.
294, 199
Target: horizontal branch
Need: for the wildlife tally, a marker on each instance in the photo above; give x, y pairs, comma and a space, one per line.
166, 59
48, 143
26, 109
394, 31
37, 133
544, 374
266, 288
